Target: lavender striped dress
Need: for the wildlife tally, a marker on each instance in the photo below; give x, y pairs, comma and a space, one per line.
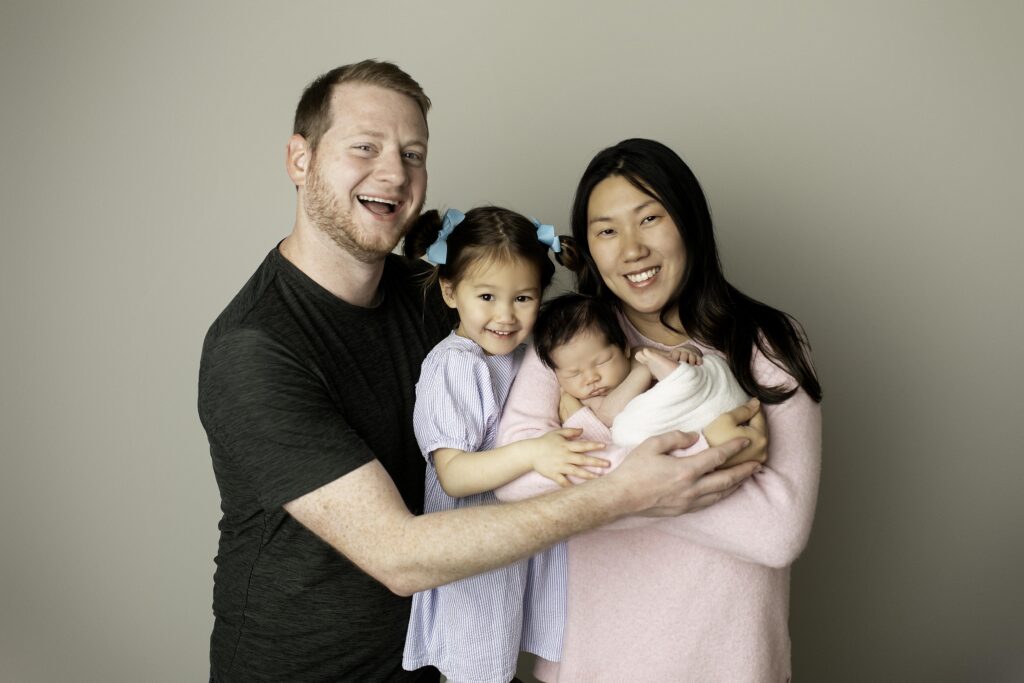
473, 629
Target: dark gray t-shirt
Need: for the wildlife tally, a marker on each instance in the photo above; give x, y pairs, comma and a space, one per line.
297, 388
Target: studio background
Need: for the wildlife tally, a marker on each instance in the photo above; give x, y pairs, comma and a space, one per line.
863, 163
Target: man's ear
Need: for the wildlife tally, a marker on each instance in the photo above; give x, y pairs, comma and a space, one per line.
297, 160
448, 292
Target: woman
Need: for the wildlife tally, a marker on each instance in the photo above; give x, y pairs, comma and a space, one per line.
704, 596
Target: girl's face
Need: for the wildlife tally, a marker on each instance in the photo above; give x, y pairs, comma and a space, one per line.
497, 304
636, 246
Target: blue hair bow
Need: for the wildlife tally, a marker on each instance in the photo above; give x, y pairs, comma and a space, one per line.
437, 252
546, 235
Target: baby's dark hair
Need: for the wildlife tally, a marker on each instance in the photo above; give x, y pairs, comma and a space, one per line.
488, 233
561, 319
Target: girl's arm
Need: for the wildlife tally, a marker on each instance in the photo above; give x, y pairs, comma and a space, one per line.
554, 456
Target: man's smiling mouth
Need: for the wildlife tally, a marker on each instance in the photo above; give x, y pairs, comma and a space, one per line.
378, 205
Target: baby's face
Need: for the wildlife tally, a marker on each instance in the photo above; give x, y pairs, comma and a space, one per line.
589, 365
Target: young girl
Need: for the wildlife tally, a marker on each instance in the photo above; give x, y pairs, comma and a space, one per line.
492, 265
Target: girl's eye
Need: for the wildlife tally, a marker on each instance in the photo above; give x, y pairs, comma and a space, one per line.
487, 297
523, 298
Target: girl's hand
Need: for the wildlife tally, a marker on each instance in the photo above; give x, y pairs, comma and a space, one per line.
745, 422
567, 406
557, 456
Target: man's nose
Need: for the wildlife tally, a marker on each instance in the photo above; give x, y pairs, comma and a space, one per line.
391, 168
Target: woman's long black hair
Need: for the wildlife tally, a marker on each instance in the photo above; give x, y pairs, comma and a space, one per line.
711, 310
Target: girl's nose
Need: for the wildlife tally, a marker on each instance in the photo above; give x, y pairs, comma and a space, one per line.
506, 313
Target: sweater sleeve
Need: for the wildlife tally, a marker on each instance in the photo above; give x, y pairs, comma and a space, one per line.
768, 519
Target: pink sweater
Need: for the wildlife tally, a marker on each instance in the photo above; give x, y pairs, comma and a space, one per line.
700, 597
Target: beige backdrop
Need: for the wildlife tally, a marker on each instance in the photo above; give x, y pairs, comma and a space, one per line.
863, 161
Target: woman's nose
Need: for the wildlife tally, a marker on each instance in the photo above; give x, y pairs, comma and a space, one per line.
631, 246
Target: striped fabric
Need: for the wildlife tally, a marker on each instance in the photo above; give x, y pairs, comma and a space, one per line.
472, 630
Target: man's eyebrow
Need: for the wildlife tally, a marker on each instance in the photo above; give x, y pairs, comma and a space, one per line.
378, 135
637, 209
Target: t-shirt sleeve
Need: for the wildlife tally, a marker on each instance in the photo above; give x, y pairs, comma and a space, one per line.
271, 419
454, 402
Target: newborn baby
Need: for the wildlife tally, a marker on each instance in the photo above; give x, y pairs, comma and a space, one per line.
580, 339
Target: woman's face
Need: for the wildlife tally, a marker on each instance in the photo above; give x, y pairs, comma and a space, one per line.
636, 246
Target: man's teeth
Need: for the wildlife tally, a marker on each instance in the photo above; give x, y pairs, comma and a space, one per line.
644, 276
369, 198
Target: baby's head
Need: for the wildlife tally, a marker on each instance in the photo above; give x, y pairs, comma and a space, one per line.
580, 339
492, 265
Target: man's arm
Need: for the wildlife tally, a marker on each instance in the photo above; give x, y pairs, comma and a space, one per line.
362, 515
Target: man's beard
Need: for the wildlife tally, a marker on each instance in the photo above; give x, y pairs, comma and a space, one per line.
326, 213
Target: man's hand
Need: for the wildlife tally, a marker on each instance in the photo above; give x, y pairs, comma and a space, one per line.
743, 422
667, 486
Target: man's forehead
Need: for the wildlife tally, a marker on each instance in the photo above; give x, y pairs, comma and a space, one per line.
368, 107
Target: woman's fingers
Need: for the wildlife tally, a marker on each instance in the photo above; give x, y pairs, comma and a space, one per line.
744, 413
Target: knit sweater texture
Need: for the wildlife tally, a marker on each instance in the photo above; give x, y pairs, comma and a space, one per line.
699, 597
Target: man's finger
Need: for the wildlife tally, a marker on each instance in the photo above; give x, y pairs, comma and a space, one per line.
671, 441
712, 458
725, 479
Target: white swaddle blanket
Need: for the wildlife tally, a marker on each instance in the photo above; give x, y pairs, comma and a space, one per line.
688, 399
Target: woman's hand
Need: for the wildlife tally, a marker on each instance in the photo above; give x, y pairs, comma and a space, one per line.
567, 406
558, 455
746, 422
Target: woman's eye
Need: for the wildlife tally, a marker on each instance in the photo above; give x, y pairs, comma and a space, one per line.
648, 219
363, 148
606, 232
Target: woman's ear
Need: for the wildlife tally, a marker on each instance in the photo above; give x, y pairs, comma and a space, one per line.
447, 292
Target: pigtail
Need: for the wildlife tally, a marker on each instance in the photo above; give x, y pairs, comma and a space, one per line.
569, 256
422, 234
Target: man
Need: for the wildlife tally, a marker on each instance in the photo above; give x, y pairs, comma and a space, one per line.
306, 392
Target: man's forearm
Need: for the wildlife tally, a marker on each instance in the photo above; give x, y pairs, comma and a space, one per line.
441, 547
363, 516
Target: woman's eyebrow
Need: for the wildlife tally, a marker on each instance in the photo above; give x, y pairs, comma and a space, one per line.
637, 209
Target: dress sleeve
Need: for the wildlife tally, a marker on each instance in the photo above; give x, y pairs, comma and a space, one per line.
271, 419
454, 401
